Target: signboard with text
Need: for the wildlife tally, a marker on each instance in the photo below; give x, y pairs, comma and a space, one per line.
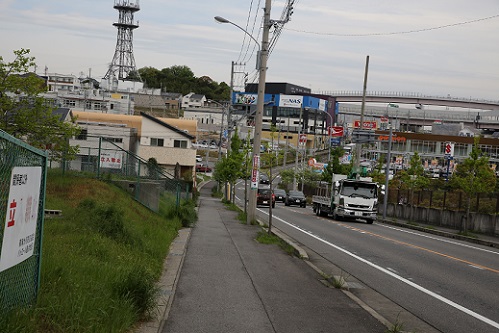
291, 101
111, 159
254, 172
22, 215
449, 149
367, 124
335, 131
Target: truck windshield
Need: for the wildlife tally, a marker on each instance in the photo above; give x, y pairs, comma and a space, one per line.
361, 190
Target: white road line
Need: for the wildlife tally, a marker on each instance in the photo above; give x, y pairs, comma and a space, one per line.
436, 238
404, 280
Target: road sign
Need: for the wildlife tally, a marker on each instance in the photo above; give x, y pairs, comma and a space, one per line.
363, 136
303, 138
335, 131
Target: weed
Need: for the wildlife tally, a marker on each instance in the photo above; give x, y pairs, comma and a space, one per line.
467, 234
266, 238
139, 288
397, 327
339, 282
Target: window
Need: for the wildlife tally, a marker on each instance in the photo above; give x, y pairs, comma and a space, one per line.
83, 134
180, 143
157, 142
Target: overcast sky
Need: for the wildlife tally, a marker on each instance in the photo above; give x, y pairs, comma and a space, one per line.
419, 47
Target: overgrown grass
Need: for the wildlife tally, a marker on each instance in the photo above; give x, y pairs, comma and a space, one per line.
100, 260
264, 237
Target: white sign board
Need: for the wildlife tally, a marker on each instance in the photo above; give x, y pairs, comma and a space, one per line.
290, 101
111, 159
22, 215
255, 175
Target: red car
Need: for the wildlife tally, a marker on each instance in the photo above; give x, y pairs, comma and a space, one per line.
202, 168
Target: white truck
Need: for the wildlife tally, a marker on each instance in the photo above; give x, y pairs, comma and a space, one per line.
347, 199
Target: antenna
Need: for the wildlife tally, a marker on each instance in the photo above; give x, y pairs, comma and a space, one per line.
123, 66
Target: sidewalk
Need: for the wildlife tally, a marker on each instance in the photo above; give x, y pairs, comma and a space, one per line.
231, 283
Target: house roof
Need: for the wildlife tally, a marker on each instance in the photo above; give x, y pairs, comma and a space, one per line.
196, 96
63, 113
189, 125
162, 123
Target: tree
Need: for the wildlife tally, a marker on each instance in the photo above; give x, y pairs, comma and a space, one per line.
229, 168
334, 166
28, 116
473, 176
181, 79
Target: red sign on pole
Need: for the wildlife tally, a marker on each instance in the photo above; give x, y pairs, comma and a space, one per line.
303, 138
335, 131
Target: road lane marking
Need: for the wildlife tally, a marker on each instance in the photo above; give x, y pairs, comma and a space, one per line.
421, 248
398, 277
437, 238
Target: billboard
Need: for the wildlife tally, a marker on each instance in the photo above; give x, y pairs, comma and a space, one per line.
290, 101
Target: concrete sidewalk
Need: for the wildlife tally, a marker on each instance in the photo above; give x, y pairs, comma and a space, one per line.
231, 283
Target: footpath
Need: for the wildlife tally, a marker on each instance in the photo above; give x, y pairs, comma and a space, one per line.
218, 278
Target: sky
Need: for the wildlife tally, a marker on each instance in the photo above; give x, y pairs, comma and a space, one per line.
434, 48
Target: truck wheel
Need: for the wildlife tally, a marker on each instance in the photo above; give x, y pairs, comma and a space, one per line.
370, 221
318, 211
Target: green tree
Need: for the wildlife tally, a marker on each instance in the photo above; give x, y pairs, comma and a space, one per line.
473, 176
229, 168
28, 116
181, 79
334, 166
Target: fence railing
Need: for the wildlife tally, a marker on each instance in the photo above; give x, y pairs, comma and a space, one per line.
22, 196
446, 200
144, 180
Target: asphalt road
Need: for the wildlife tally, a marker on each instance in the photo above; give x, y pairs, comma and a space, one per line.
449, 284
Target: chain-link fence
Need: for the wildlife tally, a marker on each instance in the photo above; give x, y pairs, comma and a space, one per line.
22, 196
144, 180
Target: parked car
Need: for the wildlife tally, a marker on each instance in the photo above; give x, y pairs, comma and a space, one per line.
296, 198
280, 194
202, 168
199, 158
265, 197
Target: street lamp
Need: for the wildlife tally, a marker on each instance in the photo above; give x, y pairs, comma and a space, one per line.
257, 137
224, 20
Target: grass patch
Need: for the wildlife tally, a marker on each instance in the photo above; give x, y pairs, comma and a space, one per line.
467, 234
264, 237
100, 260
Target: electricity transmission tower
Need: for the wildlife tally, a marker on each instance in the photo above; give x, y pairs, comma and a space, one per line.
123, 66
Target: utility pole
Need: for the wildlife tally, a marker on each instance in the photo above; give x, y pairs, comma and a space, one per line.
358, 148
257, 138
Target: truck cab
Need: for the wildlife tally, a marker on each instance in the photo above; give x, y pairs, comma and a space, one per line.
355, 199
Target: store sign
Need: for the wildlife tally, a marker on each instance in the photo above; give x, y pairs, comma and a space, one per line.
449, 149
335, 131
22, 215
291, 101
367, 124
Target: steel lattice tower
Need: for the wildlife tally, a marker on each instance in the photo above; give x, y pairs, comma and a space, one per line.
123, 65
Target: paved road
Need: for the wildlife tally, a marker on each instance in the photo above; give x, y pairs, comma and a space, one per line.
449, 284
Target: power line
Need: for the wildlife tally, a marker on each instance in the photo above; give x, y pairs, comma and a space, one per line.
398, 32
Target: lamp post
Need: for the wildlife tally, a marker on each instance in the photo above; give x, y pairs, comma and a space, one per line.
257, 137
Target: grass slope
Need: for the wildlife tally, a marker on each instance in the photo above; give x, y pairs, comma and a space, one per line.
99, 260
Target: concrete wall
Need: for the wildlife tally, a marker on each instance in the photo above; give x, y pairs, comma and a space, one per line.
444, 218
